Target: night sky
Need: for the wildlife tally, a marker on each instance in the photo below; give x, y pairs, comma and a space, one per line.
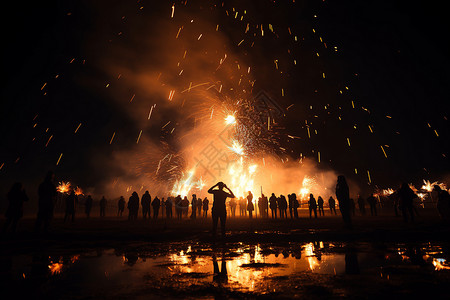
391, 60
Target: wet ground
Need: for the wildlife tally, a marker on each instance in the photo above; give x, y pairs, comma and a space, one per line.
382, 257
317, 270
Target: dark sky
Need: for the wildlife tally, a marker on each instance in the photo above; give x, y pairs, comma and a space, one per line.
393, 56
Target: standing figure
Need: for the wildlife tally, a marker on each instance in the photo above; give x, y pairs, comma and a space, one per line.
47, 194
199, 207
103, 206
133, 206
178, 208
205, 207
71, 202
361, 205
296, 205
291, 205
312, 206
283, 206
156, 203
145, 203
250, 206
88, 206
332, 205
219, 210
443, 202
121, 206
373, 205
343, 197
406, 197
185, 206
242, 207
320, 205
273, 205
168, 204
16, 197
194, 206
265, 205
233, 205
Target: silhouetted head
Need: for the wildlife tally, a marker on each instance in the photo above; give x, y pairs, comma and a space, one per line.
50, 175
311, 196
273, 194
249, 192
220, 185
341, 179
16, 186
146, 192
437, 188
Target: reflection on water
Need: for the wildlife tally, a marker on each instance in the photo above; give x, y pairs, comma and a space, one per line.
247, 268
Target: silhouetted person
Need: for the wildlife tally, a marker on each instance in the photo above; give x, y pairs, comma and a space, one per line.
443, 202
219, 210
71, 202
373, 205
273, 205
103, 206
156, 203
296, 205
406, 198
250, 206
88, 206
312, 206
265, 206
16, 197
352, 207
194, 206
205, 207
361, 205
178, 208
343, 197
47, 193
199, 207
168, 204
185, 206
220, 276
121, 206
242, 206
133, 206
291, 206
283, 205
233, 204
320, 206
332, 205
145, 203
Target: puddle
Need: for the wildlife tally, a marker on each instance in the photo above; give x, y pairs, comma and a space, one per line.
320, 269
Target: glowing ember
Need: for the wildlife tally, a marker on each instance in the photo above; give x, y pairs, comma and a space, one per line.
78, 191
55, 268
64, 187
428, 186
237, 148
230, 119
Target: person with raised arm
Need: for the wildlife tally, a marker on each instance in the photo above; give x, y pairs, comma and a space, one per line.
219, 210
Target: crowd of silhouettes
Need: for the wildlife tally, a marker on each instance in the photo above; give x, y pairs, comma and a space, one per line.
401, 200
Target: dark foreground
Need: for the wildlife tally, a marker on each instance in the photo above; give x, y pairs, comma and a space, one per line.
316, 259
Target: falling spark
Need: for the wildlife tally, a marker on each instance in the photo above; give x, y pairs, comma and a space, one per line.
384, 152
173, 11
57, 163
76, 130
139, 137
112, 138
